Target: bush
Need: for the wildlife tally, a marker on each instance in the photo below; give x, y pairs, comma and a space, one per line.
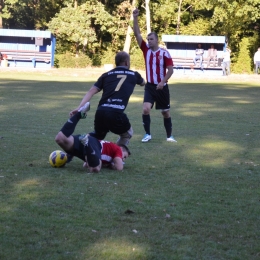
69, 60
137, 59
243, 62
108, 57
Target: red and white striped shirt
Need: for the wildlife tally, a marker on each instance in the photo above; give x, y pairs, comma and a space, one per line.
155, 63
109, 151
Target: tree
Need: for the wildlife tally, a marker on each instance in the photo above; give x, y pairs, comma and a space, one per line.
129, 31
121, 35
230, 18
234, 19
199, 26
243, 63
148, 16
82, 25
98, 25
28, 14
164, 16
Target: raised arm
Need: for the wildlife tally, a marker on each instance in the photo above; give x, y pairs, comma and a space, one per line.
136, 28
93, 90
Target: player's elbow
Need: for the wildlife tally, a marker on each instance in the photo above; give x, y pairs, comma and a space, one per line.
120, 168
143, 83
170, 70
117, 167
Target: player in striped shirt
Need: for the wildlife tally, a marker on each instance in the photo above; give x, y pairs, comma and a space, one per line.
159, 68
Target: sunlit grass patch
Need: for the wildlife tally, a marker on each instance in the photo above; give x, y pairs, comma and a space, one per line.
194, 199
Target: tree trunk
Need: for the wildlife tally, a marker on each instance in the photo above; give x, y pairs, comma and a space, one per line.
128, 33
148, 16
1, 8
179, 18
128, 39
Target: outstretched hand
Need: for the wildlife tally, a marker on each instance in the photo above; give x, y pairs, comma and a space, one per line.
73, 112
136, 12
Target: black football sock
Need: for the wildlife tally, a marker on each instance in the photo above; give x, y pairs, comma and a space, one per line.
70, 125
146, 123
168, 126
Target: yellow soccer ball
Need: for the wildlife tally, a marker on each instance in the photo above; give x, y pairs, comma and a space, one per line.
58, 158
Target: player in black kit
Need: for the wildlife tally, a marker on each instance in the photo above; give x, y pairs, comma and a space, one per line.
117, 85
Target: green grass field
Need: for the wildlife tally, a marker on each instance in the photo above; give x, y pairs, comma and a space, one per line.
195, 199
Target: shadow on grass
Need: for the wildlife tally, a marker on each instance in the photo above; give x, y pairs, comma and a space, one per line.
197, 199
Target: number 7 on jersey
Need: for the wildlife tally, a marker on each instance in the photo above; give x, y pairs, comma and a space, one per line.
121, 81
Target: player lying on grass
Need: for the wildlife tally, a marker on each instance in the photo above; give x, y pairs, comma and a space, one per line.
93, 152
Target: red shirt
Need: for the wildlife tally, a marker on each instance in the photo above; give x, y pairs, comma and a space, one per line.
109, 151
155, 63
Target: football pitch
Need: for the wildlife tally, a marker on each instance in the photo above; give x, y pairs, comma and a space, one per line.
198, 198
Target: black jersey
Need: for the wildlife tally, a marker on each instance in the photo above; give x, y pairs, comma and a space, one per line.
117, 84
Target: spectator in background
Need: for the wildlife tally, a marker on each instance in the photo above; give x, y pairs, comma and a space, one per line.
257, 60
226, 62
212, 56
199, 56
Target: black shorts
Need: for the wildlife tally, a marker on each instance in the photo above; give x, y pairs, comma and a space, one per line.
93, 151
110, 121
161, 98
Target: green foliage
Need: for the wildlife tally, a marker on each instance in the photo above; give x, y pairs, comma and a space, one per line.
83, 25
24, 14
69, 60
234, 18
254, 44
121, 15
199, 26
96, 59
243, 62
164, 16
137, 59
95, 26
90, 26
108, 57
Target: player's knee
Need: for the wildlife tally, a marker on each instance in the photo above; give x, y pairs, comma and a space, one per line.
166, 113
125, 137
146, 110
59, 138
